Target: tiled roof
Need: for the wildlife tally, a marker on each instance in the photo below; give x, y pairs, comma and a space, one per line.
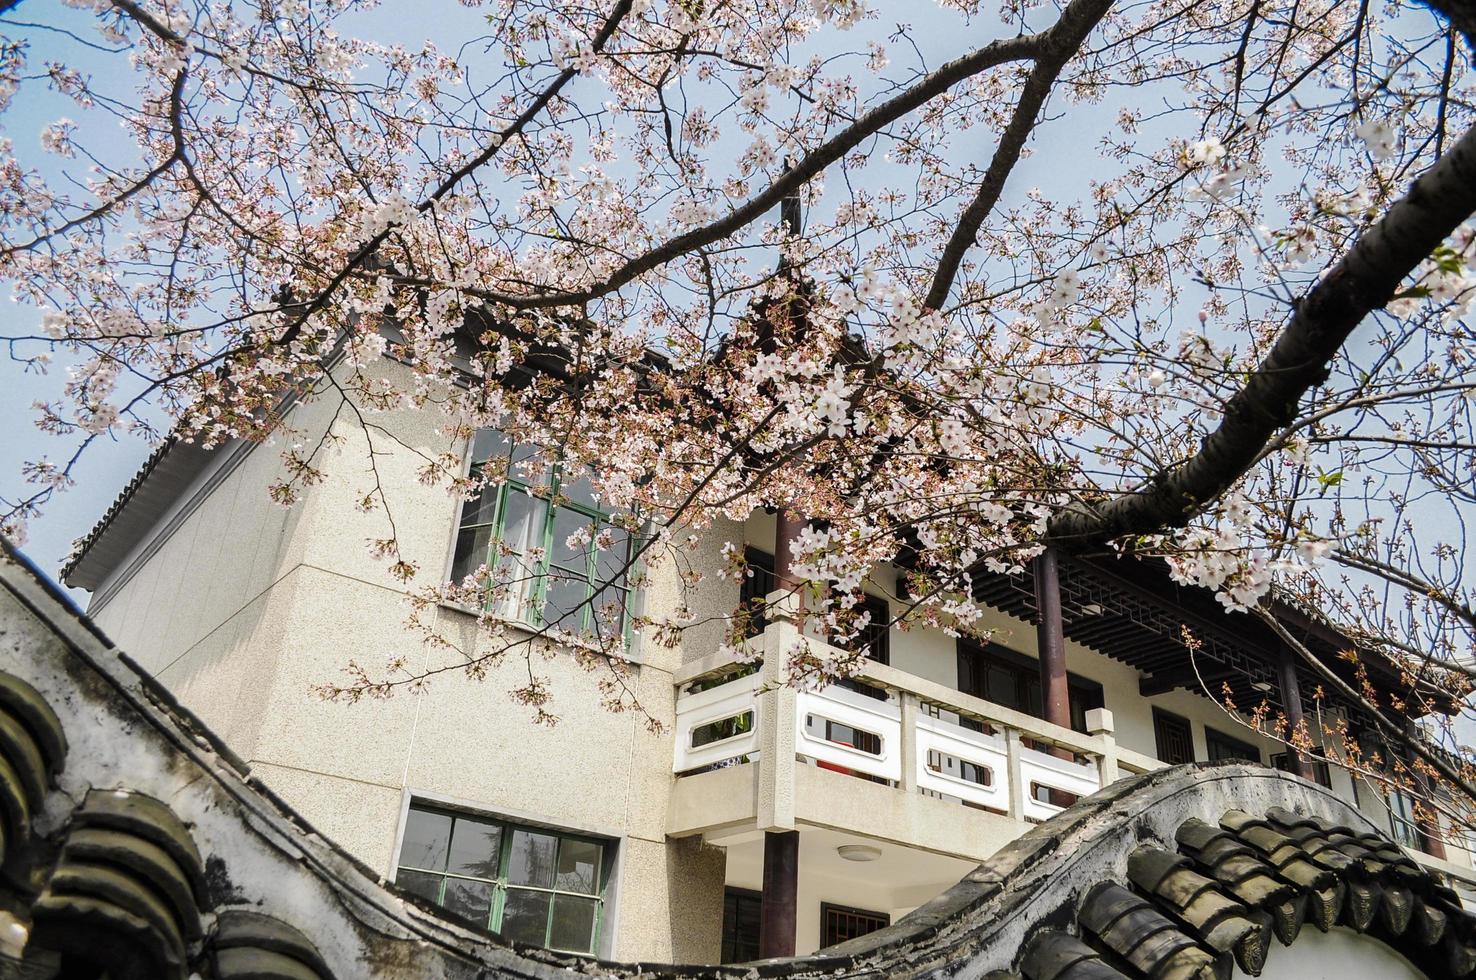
139, 507
1227, 890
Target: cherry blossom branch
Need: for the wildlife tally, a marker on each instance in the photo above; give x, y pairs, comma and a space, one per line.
1411, 583
1363, 281
148, 21
176, 155
1461, 13
499, 140
1057, 46
1387, 727
996, 53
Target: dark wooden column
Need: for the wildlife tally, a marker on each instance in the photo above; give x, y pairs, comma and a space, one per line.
780, 895
1051, 639
1291, 700
787, 527
777, 917
1430, 841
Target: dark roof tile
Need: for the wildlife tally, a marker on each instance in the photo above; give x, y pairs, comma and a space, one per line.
1218, 899
1245, 876
1429, 923
1142, 935
1054, 955
1219, 921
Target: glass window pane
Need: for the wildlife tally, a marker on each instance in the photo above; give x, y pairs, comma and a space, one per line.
579, 866
472, 547
479, 507
566, 523
609, 561
470, 900
521, 580
426, 837
577, 488
1003, 689
422, 883
573, 924
525, 916
563, 599
527, 464
488, 443
611, 606
532, 859
474, 848
522, 527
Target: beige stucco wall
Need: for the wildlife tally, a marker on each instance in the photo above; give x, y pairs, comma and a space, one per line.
247, 606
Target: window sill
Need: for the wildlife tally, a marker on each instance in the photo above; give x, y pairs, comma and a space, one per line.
559, 640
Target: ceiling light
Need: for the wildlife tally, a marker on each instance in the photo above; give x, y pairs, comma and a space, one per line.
1261, 686
858, 852
1091, 609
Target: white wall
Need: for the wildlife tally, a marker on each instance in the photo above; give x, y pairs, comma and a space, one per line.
932, 654
245, 606
1339, 954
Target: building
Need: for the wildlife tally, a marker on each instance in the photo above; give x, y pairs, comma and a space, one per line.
137, 846
846, 808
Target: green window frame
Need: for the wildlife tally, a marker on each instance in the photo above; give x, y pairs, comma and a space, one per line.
534, 514
528, 884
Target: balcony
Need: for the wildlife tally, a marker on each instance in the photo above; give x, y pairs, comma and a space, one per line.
919, 764
921, 780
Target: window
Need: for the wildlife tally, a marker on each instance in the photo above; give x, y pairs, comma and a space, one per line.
839, 924
1171, 731
875, 637
1321, 774
757, 584
1402, 822
742, 914
534, 515
852, 738
874, 640
529, 884
1011, 679
1221, 746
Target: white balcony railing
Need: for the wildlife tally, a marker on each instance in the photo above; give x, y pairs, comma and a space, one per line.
921, 736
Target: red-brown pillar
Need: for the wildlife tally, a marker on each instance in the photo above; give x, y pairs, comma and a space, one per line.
777, 916
1430, 841
780, 895
1428, 823
1051, 638
1291, 700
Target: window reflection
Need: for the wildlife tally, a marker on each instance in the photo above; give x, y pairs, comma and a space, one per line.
542, 531
531, 885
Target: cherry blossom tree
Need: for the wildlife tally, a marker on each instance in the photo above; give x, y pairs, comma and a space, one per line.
1227, 328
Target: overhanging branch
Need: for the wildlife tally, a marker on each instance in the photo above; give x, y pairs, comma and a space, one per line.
1321, 322
1062, 41
996, 53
